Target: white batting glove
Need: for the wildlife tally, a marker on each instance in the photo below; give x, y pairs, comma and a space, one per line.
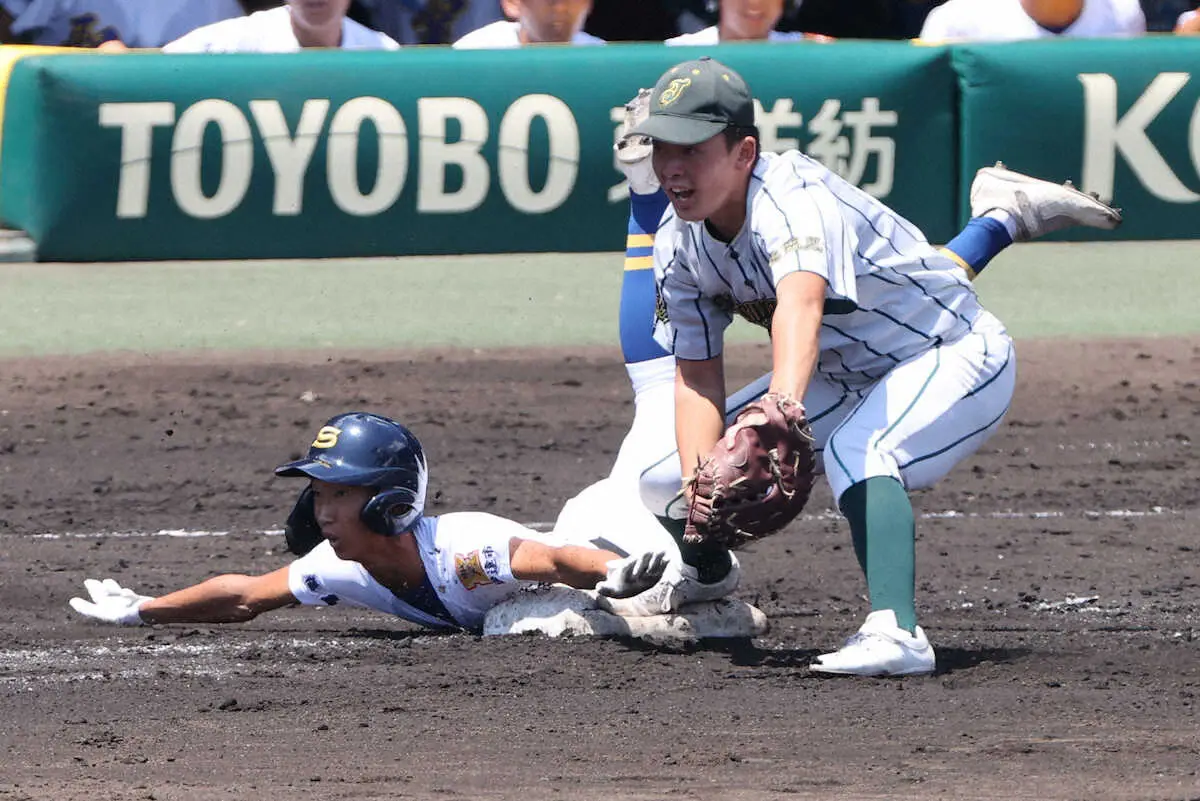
111, 603
633, 574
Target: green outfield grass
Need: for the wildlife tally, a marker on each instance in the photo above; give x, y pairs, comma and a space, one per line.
1042, 290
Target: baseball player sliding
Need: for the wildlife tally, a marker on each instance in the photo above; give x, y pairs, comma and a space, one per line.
889, 304
364, 541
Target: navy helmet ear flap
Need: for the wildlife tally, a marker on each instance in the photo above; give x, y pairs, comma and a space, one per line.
393, 510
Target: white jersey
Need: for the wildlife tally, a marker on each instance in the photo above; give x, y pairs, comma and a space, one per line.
466, 560
711, 36
270, 32
137, 23
1003, 20
505, 34
890, 295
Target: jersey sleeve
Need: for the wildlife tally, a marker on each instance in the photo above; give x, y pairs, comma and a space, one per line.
687, 322
479, 543
320, 578
470, 565
803, 230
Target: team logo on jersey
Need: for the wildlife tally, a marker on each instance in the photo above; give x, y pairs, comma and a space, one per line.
810, 244
327, 437
311, 582
673, 91
478, 568
757, 312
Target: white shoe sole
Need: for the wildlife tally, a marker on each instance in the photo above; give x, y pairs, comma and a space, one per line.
914, 671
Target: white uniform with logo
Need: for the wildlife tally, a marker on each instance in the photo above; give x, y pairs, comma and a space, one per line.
270, 32
506, 34
913, 374
137, 23
1003, 20
466, 559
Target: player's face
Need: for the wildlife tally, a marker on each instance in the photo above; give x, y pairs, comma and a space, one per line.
706, 181
338, 510
316, 13
749, 19
553, 21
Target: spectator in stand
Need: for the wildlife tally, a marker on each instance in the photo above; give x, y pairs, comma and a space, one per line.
534, 22
1003, 20
92, 23
746, 21
286, 29
429, 22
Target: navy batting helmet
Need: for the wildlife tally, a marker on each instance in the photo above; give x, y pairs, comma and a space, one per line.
367, 450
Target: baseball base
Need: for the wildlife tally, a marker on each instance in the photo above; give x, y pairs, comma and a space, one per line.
565, 612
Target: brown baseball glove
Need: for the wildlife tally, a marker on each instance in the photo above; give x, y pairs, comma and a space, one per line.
757, 478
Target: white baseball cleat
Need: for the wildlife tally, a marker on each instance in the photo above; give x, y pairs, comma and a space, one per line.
679, 586
631, 154
1039, 207
881, 648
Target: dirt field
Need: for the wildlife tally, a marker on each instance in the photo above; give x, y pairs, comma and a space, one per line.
1058, 571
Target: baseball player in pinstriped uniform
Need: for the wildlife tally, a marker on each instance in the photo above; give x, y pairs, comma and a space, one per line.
921, 310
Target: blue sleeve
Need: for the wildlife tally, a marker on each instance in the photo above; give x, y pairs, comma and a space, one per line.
638, 291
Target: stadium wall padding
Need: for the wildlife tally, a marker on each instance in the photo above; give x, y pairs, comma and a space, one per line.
438, 151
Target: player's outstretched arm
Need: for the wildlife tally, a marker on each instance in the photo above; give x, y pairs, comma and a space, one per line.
699, 409
230, 598
585, 568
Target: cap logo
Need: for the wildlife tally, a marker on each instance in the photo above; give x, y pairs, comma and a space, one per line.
673, 91
327, 437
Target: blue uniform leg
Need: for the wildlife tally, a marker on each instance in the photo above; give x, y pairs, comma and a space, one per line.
978, 243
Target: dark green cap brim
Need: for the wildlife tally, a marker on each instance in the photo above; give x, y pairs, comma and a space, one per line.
679, 130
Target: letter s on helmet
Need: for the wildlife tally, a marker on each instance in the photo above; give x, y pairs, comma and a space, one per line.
367, 450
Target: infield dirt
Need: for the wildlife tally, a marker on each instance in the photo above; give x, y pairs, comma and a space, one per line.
1058, 572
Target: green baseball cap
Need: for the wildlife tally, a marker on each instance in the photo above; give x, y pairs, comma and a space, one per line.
696, 100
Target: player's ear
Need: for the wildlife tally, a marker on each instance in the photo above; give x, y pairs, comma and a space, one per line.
511, 9
747, 152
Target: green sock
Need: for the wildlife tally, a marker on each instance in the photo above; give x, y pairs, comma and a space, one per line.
711, 561
883, 531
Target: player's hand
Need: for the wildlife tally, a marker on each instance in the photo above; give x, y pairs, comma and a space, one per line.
633, 574
111, 603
